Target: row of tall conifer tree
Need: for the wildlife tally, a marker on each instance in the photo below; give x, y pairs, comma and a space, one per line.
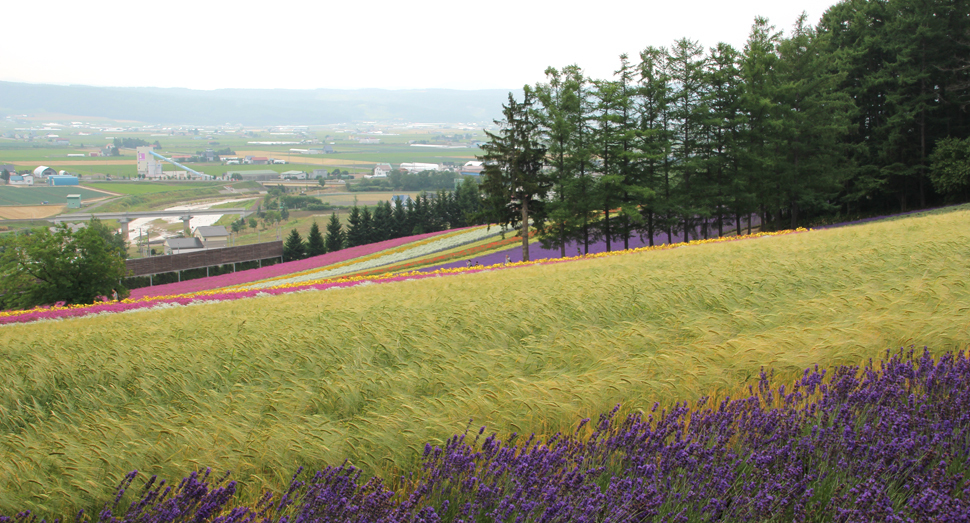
800, 126
428, 212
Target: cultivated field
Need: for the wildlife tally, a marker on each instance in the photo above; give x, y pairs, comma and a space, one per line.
10, 195
139, 188
30, 212
260, 386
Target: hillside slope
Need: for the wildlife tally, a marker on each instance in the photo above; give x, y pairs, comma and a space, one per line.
261, 386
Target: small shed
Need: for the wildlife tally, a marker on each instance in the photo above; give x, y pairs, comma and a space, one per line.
183, 245
212, 236
73, 201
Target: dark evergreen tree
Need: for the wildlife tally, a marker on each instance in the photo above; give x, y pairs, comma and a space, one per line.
731, 197
366, 227
356, 235
814, 117
759, 158
399, 219
410, 217
687, 66
294, 248
315, 243
382, 223
335, 239
468, 200
559, 101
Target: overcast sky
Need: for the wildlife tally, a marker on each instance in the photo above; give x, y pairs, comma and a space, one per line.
351, 44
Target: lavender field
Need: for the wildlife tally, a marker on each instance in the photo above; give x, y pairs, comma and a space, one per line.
886, 442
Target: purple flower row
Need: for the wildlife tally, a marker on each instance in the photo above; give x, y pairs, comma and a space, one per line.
280, 269
577, 248
887, 442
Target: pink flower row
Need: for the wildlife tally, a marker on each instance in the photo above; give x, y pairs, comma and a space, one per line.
280, 269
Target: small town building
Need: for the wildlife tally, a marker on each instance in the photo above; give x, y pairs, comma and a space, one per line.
416, 167
259, 175
9, 167
57, 180
381, 170
293, 175
17, 179
212, 236
73, 201
259, 160
62, 141
369, 141
320, 173
472, 168
183, 245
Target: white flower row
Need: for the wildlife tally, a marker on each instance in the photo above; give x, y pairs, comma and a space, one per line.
443, 244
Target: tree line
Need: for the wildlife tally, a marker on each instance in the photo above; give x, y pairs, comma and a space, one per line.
429, 212
864, 113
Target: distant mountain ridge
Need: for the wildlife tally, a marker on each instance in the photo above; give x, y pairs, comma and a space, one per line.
254, 106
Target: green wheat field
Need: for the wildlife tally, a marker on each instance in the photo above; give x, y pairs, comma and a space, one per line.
369, 374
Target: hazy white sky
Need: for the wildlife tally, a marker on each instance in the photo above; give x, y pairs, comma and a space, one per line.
502, 44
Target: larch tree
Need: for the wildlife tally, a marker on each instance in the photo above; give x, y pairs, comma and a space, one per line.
514, 183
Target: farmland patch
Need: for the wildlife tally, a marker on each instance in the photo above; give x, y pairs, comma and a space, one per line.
20, 196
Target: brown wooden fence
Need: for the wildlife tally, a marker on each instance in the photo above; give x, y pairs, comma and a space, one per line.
206, 258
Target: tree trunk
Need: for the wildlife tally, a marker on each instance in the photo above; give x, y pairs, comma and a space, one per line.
606, 228
525, 229
562, 240
650, 226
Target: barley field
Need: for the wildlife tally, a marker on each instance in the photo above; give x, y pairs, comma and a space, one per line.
370, 374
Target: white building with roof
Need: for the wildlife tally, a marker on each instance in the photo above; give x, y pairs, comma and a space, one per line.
416, 167
381, 170
43, 170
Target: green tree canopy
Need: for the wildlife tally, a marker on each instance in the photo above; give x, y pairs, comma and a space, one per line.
950, 167
45, 267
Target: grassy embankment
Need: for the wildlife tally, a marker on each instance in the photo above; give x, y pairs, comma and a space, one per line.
173, 195
263, 385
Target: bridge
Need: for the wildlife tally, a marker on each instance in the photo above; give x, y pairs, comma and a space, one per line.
125, 217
